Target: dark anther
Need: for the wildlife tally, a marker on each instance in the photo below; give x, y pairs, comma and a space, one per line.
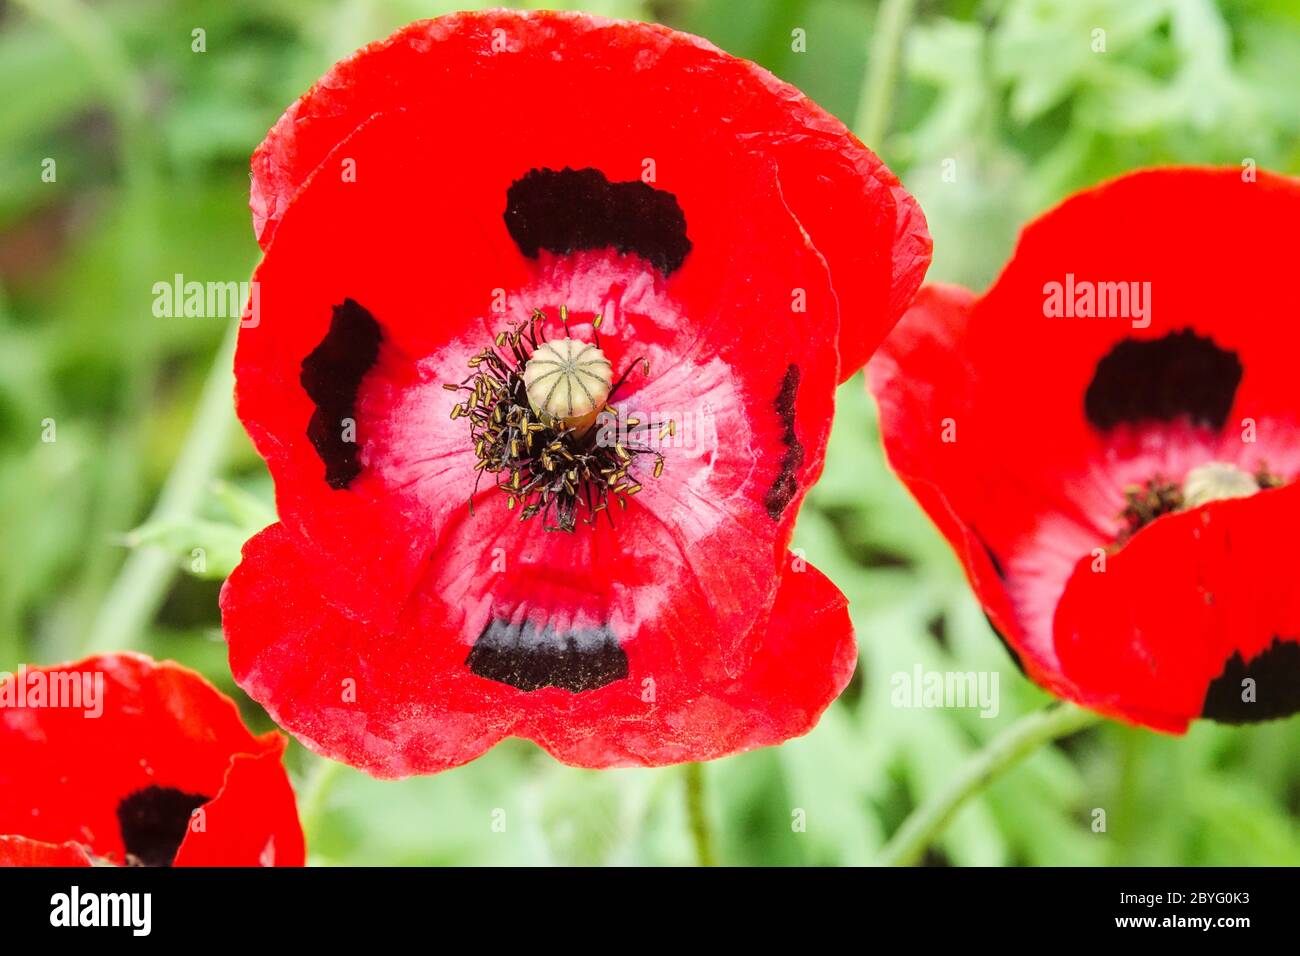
154, 821
784, 487
1181, 374
530, 657
1143, 504
566, 210
331, 375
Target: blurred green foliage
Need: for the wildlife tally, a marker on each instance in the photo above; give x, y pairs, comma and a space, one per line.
152, 140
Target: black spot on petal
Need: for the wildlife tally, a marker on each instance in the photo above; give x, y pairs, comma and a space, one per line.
530, 657
1276, 692
563, 211
153, 822
1181, 374
785, 486
331, 375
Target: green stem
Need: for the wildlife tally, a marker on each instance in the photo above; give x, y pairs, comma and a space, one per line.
882, 71
142, 583
313, 796
123, 87
1128, 797
1018, 741
698, 815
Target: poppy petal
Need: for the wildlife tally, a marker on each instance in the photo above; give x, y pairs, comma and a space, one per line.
870, 231
121, 772
20, 851
411, 701
1192, 598
756, 396
699, 252
1041, 472
803, 659
924, 383
255, 788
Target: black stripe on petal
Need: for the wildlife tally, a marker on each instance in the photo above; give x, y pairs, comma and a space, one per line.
1275, 692
530, 657
332, 374
784, 487
563, 211
153, 822
993, 558
1181, 374
1011, 651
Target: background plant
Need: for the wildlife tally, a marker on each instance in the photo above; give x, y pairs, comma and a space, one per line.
151, 141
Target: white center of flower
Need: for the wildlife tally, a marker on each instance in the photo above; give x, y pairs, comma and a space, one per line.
1215, 481
568, 381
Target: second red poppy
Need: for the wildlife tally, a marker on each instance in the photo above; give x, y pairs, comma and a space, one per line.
1110, 439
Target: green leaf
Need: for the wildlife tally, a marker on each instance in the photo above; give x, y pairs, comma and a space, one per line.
207, 549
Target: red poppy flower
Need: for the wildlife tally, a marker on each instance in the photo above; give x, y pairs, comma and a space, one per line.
1108, 438
685, 232
121, 759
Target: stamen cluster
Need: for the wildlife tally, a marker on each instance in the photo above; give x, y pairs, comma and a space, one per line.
1158, 496
544, 466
